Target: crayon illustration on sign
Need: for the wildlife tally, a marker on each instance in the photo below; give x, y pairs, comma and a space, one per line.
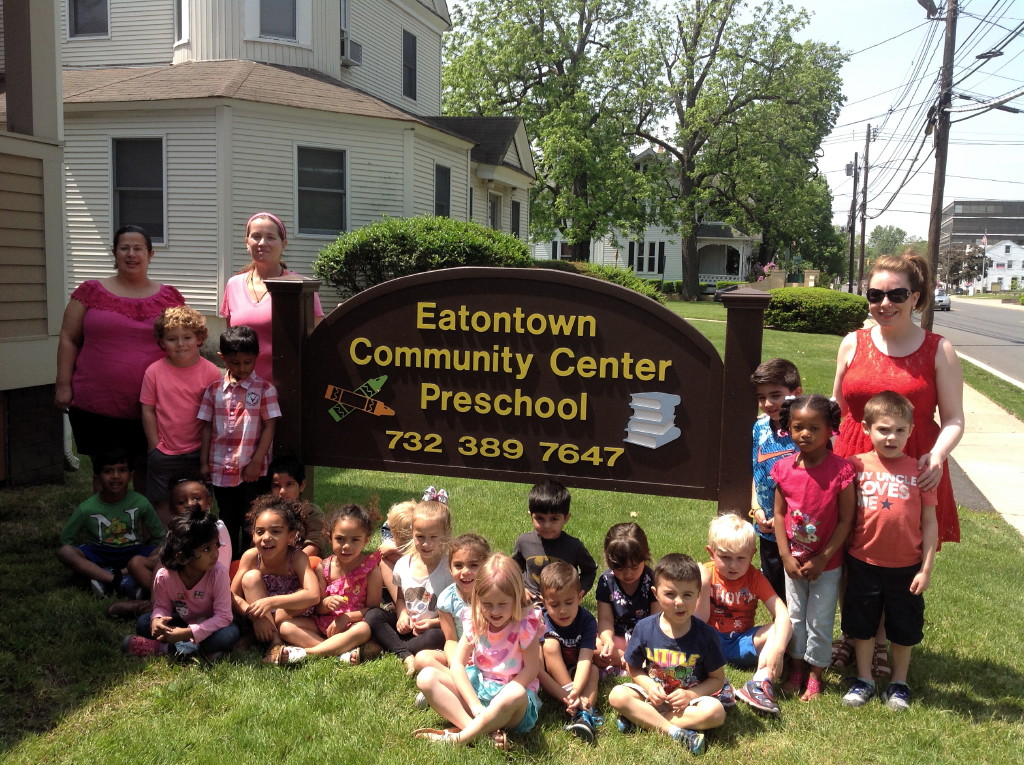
362, 398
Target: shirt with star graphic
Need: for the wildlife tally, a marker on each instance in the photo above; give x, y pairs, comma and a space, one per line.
887, 523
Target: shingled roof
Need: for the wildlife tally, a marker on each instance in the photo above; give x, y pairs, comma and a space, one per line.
242, 80
493, 135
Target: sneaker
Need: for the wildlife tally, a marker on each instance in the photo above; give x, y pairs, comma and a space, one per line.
420, 702
860, 693
128, 587
691, 739
760, 695
104, 589
186, 652
727, 696
136, 645
625, 725
896, 697
583, 725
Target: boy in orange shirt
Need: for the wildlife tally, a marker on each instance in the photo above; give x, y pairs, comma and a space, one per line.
730, 591
892, 550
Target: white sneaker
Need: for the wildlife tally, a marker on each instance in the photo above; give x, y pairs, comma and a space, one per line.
420, 701
291, 654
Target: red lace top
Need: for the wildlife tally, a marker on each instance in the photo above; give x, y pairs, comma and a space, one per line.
117, 346
913, 376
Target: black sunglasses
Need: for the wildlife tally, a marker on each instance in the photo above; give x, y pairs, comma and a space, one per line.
895, 296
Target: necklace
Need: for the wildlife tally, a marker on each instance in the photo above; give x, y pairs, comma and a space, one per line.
252, 286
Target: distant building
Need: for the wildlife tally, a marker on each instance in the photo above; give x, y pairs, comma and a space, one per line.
967, 222
1005, 264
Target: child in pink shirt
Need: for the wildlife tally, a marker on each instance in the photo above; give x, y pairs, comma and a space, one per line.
171, 391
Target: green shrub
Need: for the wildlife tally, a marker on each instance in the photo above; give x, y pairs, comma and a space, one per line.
622, 276
723, 285
815, 309
1022, 299
395, 247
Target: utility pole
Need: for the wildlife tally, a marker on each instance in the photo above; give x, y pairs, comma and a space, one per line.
853, 170
864, 213
941, 149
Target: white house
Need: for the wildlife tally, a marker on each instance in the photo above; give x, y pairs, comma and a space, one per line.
187, 116
724, 253
1005, 264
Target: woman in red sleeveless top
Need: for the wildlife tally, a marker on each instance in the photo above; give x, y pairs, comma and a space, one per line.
898, 355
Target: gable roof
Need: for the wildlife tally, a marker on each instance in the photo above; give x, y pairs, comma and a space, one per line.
242, 80
494, 137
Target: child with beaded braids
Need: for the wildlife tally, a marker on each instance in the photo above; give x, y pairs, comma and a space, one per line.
814, 505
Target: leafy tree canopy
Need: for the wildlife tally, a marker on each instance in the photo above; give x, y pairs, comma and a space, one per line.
887, 240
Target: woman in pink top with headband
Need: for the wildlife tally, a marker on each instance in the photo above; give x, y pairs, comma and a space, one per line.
246, 297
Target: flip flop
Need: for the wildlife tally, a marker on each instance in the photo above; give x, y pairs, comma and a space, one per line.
447, 736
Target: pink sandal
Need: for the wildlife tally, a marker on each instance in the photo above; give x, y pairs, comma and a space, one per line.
814, 689
794, 684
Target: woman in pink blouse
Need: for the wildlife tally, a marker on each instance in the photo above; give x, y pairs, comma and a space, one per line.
246, 297
106, 342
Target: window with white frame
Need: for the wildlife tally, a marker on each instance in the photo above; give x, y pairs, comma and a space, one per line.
88, 18
278, 19
409, 65
494, 211
282, 21
181, 21
442, 190
321, 180
138, 181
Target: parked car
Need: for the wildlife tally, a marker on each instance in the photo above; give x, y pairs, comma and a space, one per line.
942, 302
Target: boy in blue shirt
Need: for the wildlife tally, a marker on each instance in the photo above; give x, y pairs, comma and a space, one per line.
773, 380
675, 661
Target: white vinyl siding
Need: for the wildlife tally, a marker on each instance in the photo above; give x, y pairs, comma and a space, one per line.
378, 27
141, 33
188, 260
428, 155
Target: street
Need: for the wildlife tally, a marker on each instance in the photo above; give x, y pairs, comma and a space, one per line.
985, 331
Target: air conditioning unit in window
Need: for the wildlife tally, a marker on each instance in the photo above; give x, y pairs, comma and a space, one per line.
351, 51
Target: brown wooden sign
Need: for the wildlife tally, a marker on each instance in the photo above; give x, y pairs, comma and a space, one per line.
509, 374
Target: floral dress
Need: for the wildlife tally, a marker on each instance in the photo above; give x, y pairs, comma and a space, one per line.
351, 587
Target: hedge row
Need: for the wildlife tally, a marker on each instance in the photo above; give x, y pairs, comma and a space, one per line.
816, 310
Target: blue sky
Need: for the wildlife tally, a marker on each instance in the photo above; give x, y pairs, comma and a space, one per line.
989, 147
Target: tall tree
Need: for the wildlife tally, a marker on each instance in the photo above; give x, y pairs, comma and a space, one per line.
578, 73
887, 240
750, 108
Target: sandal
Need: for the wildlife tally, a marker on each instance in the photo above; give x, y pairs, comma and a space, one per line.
794, 684
815, 687
349, 658
448, 736
880, 667
842, 653
273, 654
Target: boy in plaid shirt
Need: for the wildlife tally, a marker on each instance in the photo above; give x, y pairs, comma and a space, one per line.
239, 414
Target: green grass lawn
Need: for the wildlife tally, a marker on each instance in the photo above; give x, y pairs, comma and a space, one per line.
67, 694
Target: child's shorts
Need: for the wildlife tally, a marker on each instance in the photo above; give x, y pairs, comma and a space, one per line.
486, 690
110, 556
738, 647
165, 467
666, 709
870, 590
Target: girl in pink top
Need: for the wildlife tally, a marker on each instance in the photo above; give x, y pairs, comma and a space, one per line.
814, 499
492, 684
350, 585
246, 297
191, 594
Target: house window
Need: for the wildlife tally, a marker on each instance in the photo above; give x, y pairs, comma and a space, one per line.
442, 190
139, 184
652, 263
1006, 249
516, 212
409, 65
181, 21
321, 191
278, 19
1009, 264
88, 18
494, 211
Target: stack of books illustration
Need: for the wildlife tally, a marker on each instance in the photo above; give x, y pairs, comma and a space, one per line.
653, 423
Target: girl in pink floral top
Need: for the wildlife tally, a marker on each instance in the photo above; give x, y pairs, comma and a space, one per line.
350, 583
492, 684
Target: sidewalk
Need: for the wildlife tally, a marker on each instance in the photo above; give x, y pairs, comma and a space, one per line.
990, 453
